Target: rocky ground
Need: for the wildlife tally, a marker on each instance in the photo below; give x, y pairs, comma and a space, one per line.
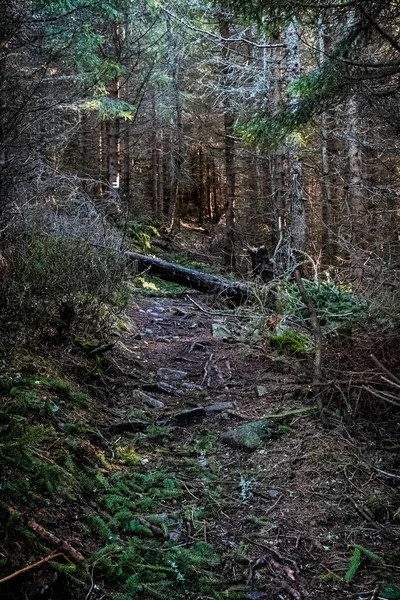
215, 478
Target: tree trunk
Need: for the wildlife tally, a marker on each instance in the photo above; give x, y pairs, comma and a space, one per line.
160, 175
154, 156
201, 186
188, 277
113, 147
328, 247
355, 195
177, 149
229, 148
297, 238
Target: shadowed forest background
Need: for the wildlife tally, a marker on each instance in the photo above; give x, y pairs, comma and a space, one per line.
254, 148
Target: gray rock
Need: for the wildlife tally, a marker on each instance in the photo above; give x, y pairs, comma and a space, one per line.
218, 407
221, 332
191, 414
172, 374
148, 400
163, 386
249, 435
261, 390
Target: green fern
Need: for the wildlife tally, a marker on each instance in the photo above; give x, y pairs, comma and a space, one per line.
101, 528
355, 561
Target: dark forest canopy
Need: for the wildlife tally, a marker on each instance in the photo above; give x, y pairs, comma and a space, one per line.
277, 120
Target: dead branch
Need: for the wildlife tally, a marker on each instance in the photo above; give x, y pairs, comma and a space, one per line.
35, 565
67, 549
385, 370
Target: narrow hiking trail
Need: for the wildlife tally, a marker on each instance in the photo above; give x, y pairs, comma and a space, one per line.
188, 463
280, 503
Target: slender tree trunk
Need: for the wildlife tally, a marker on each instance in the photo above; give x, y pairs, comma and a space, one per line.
327, 205
354, 181
209, 206
104, 155
177, 150
201, 186
113, 146
126, 165
297, 239
215, 209
160, 176
229, 148
154, 156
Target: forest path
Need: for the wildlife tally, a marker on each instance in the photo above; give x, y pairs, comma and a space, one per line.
277, 513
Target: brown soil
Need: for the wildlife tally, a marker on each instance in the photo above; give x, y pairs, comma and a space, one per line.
285, 516
317, 491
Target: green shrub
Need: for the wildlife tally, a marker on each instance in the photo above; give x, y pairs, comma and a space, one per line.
141, 233
53, 283
335, 305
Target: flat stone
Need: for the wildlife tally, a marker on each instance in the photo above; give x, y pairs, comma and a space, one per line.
221, 332
218, 407
261, 390
148, 400
190, 414
249, 435
169, 389
172, 374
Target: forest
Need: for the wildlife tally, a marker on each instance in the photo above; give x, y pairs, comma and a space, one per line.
199, 299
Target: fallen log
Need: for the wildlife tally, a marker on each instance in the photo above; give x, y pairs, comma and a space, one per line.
197, 280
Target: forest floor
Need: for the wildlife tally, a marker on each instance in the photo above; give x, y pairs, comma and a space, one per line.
181, 498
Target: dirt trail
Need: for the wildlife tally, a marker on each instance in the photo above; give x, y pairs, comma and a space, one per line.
286, 514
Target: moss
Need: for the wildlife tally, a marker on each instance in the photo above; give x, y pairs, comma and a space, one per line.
128, 455
80, 399
291, 342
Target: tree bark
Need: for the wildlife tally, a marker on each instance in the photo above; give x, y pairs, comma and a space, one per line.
177, 148
113, 146
229, 148
298, 225
328, 246
154, 155
354, 181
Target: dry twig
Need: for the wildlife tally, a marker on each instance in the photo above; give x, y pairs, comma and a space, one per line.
35, 565
67, 549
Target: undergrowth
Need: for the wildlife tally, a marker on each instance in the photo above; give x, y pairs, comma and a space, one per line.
154, 286
138, 515
335, 304
140, 233
53, 284
291, 342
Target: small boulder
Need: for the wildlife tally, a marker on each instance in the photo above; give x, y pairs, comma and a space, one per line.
148, 400
218, 407
171, 374
221, 332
